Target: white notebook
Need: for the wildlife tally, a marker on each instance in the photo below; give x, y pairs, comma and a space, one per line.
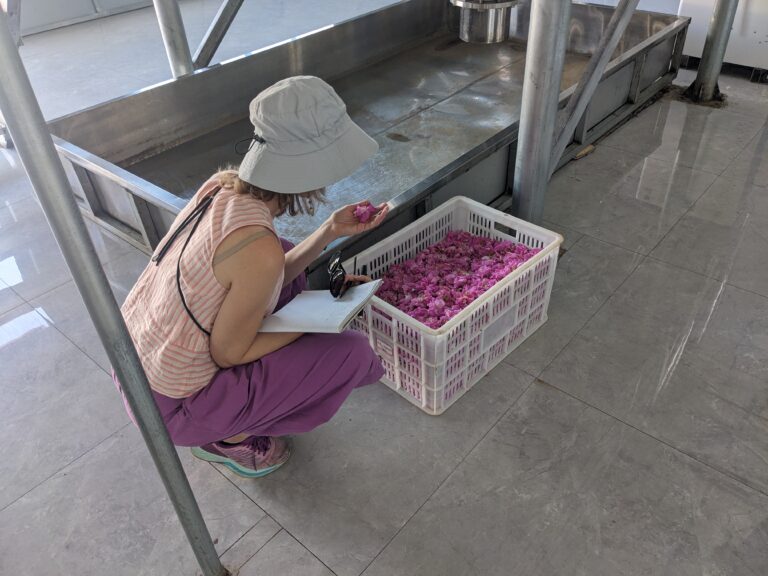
318, 311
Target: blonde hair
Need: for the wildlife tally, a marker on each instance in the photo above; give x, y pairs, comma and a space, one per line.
293, 204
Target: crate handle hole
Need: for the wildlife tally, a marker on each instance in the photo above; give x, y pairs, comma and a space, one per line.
499, 227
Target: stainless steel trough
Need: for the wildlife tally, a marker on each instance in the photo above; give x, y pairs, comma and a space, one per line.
444, 112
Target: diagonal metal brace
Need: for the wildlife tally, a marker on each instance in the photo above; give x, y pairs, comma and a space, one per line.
216, 32
577, 103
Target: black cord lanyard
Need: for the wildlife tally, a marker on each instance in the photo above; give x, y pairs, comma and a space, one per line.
196, 215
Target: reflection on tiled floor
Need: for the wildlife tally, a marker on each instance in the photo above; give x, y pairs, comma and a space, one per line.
628, 436
559, 488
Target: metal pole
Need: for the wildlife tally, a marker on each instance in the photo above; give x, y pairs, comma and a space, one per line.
174, 37
547, 40
43, 166
216, 31
585, 89
705, 88
13, 9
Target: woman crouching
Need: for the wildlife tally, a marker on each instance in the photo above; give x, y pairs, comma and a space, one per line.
223, 387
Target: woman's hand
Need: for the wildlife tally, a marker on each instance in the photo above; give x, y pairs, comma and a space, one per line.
357, 279
343, 222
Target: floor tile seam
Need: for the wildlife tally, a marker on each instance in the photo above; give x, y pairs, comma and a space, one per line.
540, 372
244, 534
603, 240
762, 127
267, 514
664, 160
728, 111
44, 293
743, 149
448, 475
237, 487
307, 548
575, 242
596, 312
745, 181
683, 215
706, 276
703, 276
275, 535
721, 472
15, 306
65, 466
80, 348
8, 203
260, 548
516, 367
451, 473
66, 337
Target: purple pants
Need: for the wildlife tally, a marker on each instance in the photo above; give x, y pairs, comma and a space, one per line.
290, 391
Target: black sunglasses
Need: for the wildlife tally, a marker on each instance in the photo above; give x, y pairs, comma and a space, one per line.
337, 275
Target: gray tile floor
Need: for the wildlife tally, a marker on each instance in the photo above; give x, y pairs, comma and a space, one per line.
628, 436
79, 66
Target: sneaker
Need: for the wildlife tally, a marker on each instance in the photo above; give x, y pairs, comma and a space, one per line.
254, 457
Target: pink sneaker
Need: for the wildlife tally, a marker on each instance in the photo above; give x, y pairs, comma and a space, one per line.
254, 457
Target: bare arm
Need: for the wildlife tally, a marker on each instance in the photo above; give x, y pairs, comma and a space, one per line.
251, 273
341, 223
307, 251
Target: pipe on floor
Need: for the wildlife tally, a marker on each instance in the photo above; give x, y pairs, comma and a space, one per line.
547, 41
704, 88
174, 37
43, 166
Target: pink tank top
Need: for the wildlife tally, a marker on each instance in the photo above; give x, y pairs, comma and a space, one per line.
174, 352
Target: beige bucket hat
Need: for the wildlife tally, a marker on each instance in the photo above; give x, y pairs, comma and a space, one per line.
303, 138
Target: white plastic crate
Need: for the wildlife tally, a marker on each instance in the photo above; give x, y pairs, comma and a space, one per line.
433, 368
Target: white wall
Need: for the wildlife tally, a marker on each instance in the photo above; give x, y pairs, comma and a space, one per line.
748, 44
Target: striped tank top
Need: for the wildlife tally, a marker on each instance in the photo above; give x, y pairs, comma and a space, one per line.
174, 352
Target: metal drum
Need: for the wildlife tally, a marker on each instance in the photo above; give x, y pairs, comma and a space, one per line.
484, 21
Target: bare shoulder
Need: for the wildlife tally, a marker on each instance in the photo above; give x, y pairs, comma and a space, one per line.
248, 252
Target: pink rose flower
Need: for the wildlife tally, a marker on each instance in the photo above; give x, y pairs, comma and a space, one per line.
365, 212
439, 282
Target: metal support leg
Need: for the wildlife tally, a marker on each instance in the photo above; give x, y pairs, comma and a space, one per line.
174, 37
547, 40
704, 88
38, 156
13, 9
577, 104
216, 32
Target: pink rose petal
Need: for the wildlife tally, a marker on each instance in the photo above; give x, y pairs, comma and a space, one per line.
439, 282
365, 212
